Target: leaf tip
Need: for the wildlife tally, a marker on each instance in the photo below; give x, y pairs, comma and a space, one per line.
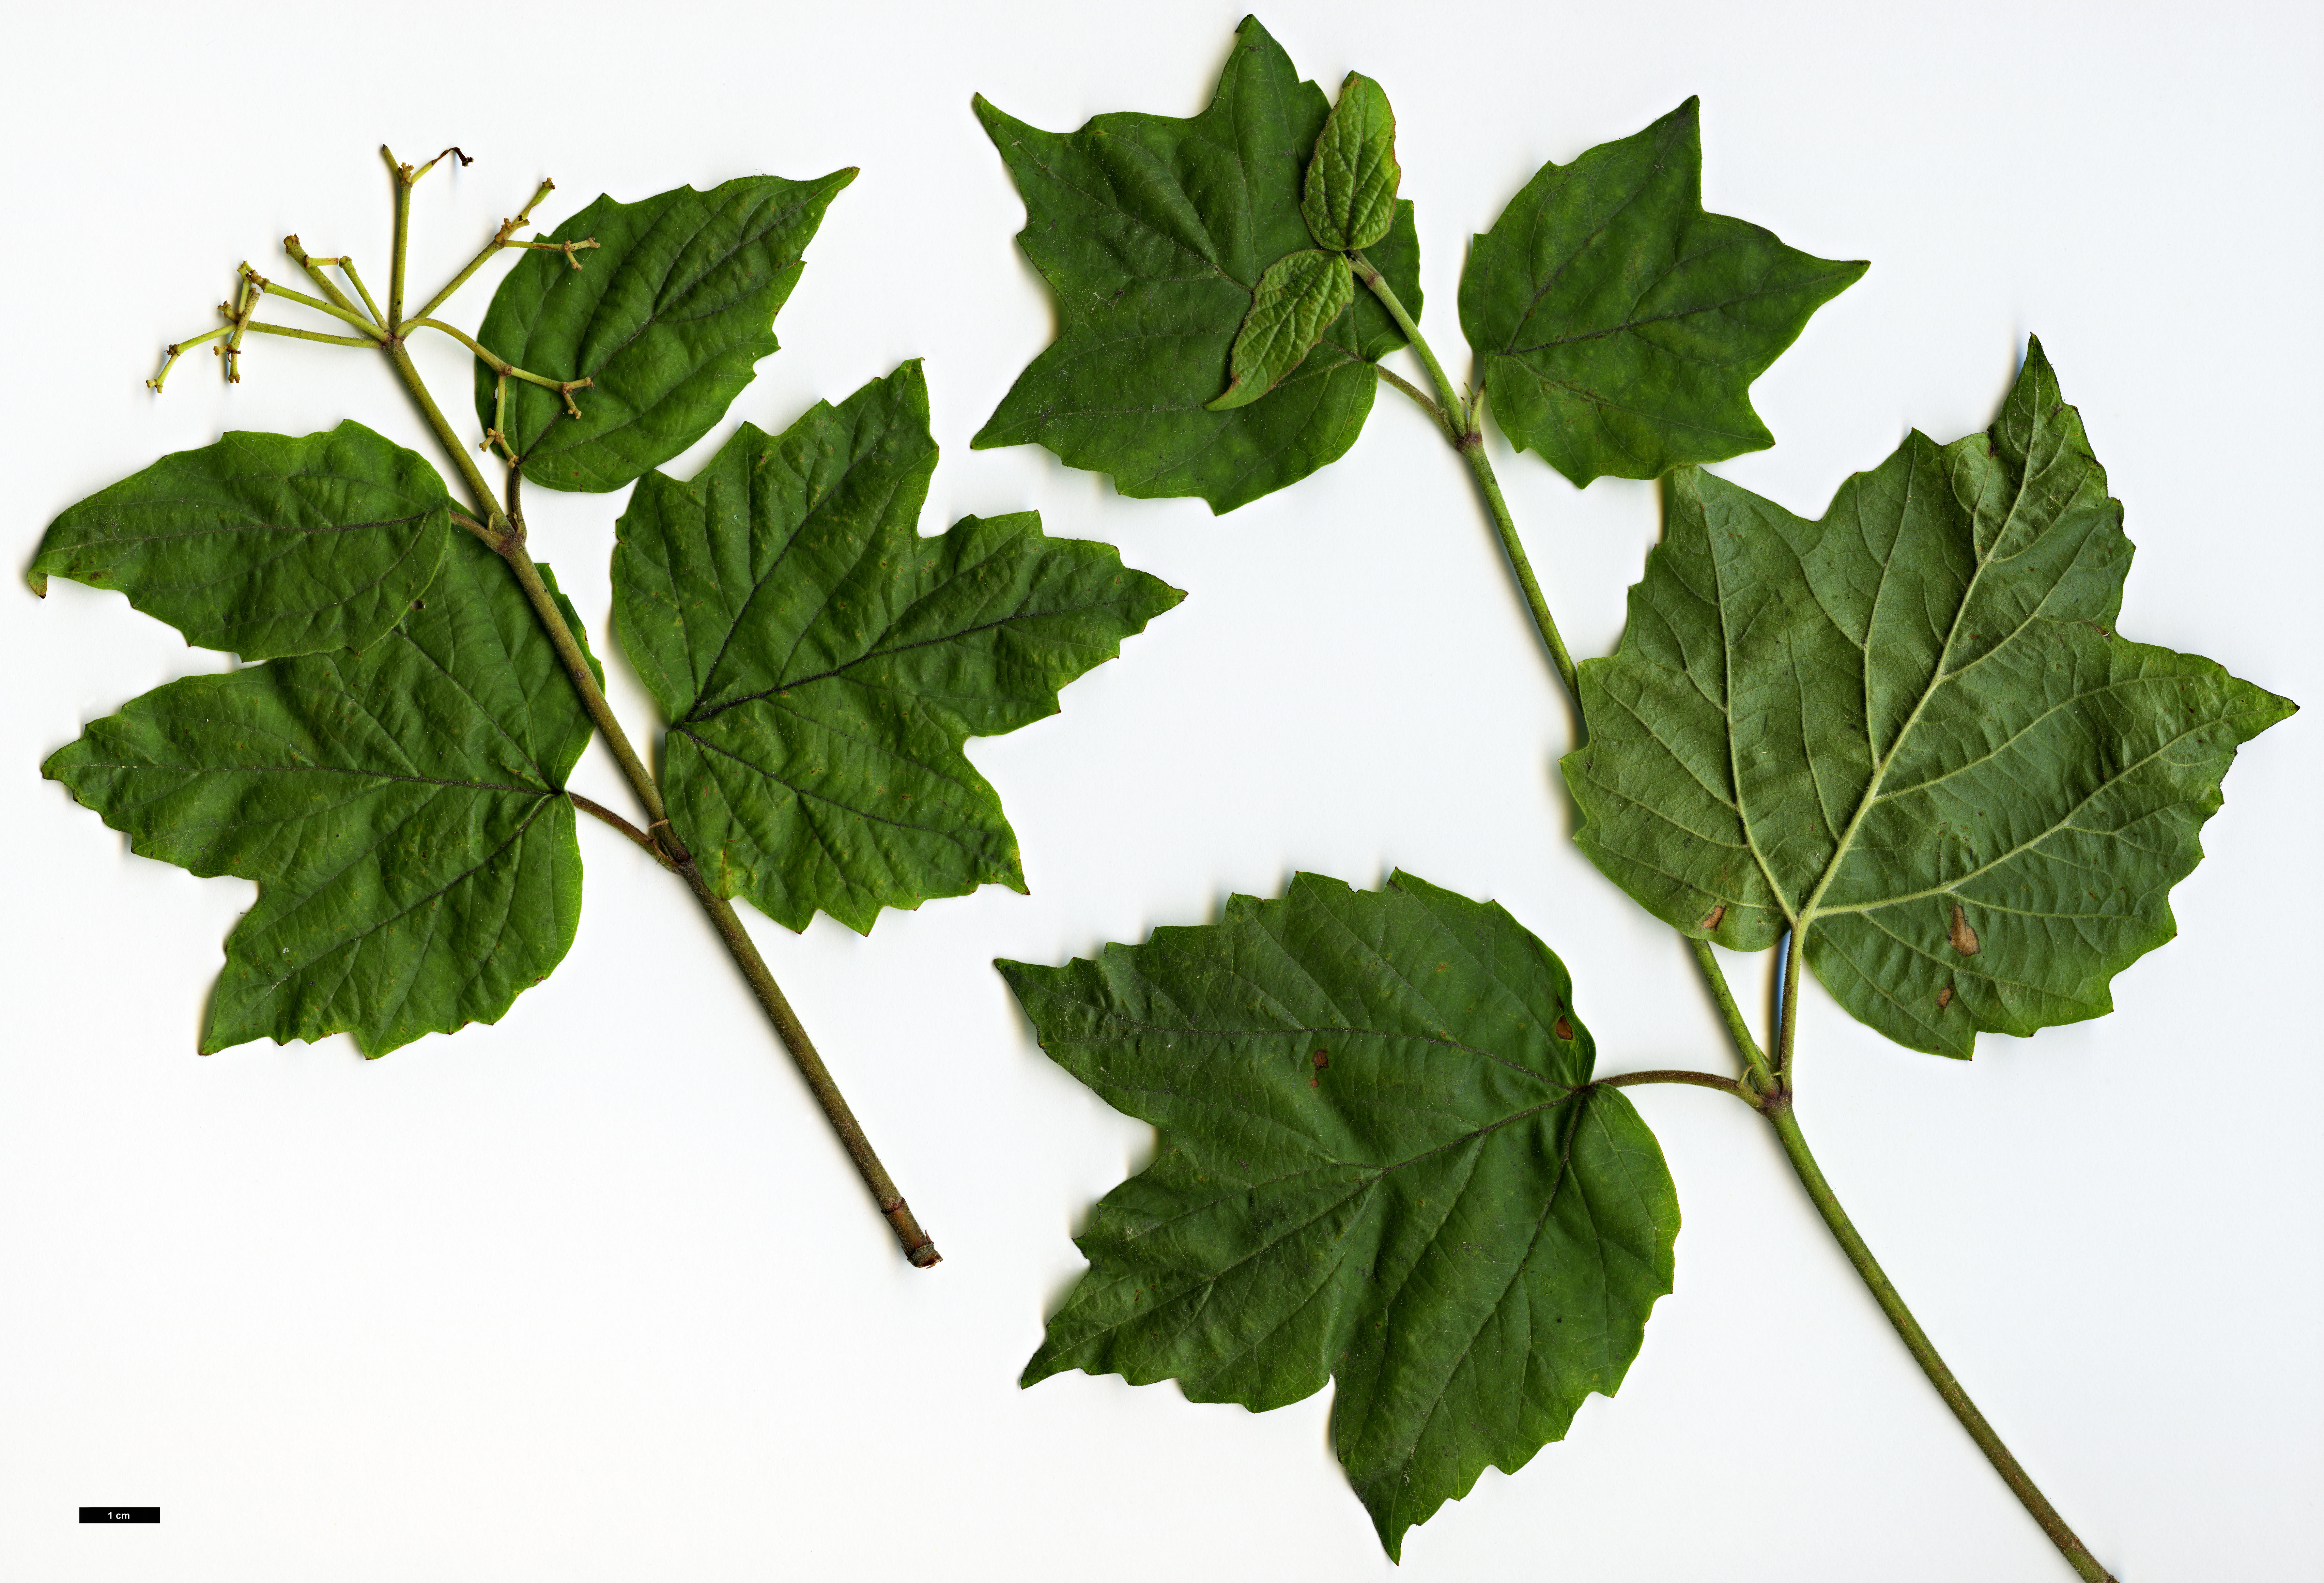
37, 581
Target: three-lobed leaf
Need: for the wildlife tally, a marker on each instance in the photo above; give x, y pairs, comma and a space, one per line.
664, 317
402, 810
1382, 1161
1152, 232
1349, 201
1909, 732
820, 664
264, 545
1618, 327
1298, 298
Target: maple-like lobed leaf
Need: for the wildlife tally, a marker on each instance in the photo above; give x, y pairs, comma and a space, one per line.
1298, 298
820, 664
1618, 326
665, 317
264, 545
1382, 1161
1350, 200
401, 810
1152, 233
1910, 732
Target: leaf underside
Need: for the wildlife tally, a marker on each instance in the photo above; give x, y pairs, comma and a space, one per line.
821, 664
1152, 233
1618, 326
665, 317
401, 810
1908, 732
1380, 1161
263, 545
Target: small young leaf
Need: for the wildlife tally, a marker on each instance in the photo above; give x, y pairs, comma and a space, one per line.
1619, 326
1909, 732
821, 664
1381, 1160
1152, 232
665, 317
1351, 181
263, 545
401, 810
1298, 298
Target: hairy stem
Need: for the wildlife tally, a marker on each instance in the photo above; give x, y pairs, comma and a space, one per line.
505, 534
1463, 427
1917, 1341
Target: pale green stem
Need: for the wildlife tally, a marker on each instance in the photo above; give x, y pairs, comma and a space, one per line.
499, 365
1925, 1353
1774, 1099
264, 329
500, 241
505, 534
345, 316
1738, 1029
1468, 438
323, 284
403, 179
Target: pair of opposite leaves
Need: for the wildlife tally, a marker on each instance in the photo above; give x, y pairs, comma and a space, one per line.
393, 775
1905, 733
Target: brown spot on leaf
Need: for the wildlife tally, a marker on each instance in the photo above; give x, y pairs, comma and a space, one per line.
1561, 1028
1963, 937
1945, 996
1710, 919
1322, 1059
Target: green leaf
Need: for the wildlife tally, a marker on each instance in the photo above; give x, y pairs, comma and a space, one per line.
1381, 1160
263, 545
1909, 732
1619, 326
1351, 181
1152, 232
1298, 298
665, 317
821, 664
401, 810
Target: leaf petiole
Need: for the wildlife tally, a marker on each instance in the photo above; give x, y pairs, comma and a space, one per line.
598, 811
1700, 1080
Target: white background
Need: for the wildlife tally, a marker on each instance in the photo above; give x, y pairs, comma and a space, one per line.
592, 1294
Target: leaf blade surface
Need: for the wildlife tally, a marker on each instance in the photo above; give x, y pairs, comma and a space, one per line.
1618, 325
1910, 731
1298, 298
665, 317
264, 545
1152, 233
821, 664
1381, 1160
401, 810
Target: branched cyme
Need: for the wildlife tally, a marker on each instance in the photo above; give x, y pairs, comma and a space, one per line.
1902, 745
394, 776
